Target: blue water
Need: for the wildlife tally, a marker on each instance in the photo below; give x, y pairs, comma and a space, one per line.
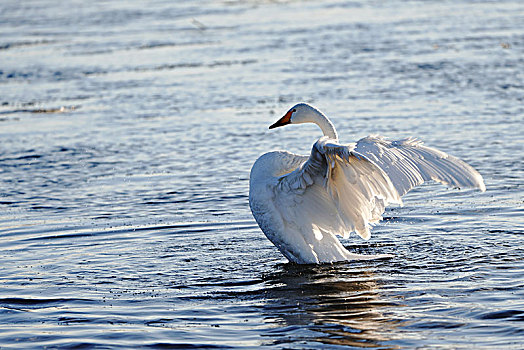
127, 132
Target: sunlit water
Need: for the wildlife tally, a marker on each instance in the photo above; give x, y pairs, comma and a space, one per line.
127, 132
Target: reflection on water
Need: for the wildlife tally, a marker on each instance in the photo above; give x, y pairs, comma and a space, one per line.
338, 304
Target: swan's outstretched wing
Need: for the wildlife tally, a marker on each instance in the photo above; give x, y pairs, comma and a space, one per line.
336, 191
409, 163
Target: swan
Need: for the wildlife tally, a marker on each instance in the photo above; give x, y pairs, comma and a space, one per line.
302, 203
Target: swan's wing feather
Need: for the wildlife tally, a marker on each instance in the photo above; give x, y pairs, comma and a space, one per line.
409, 163
336, 191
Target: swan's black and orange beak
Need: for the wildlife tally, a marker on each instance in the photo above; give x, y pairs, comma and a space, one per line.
285, 120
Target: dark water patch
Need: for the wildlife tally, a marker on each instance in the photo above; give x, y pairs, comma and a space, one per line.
70, 320
158, 45
62, 109
513, 315
65, 236
37, 302
38, 74
26, 157
506, 232
70, 230
233, 283
437, 325
17, 44
121, 48
197, 65
406, 219
183, 345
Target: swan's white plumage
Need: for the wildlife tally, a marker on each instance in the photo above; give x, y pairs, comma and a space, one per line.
301, 203
333, 192
409, 163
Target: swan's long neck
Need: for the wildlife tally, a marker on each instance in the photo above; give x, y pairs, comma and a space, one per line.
325, 125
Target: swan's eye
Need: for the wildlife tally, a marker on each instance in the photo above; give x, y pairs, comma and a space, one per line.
293, 111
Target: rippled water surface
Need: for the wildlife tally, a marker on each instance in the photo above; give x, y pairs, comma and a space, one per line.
127, 132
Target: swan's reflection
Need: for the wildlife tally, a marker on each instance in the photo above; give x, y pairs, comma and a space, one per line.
330, 304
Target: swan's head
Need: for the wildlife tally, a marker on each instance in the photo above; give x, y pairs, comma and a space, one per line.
298, 114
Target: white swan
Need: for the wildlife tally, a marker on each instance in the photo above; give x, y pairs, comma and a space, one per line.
301, 203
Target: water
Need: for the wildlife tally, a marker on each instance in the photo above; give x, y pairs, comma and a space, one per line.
127, 132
